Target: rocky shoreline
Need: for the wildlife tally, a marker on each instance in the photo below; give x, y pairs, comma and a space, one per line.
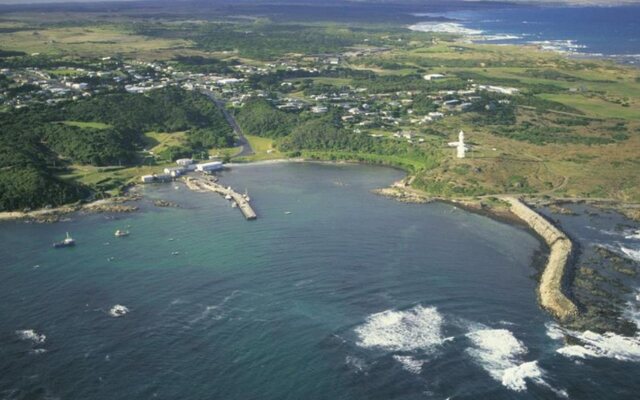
51, 215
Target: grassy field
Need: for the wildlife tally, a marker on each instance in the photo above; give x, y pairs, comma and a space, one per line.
263, 148
98, 41
92, 125
157, 142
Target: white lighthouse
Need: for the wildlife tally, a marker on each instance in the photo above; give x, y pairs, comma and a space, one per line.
461, 149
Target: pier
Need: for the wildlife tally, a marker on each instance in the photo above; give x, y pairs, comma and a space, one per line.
552, 280
204, 185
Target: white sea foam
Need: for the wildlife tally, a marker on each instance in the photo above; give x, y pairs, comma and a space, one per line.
496, 350
491, 38
38, 351
444, 27
31, 335
409, 363
595, 345
500, 354
559, 46
554, 331
118, 311
633, 254
514, 377
632, 311
216, 311
418, 328
606, 345
355, 363
632, 234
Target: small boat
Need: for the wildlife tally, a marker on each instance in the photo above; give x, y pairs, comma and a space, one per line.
120, 233
228, 197
175, 253
67, 242
287, 212
234, 204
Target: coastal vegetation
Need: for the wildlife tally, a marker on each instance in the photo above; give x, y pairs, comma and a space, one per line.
572, 129
38, 145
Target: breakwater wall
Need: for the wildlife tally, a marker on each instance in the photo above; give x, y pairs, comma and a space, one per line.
198, 184
552, 297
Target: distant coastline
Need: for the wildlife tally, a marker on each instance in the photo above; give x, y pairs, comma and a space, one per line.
561, 28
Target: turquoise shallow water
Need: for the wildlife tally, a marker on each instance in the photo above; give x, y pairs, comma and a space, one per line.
350, 296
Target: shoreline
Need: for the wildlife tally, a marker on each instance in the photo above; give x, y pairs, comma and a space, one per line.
552, 282
56, 214
508, 209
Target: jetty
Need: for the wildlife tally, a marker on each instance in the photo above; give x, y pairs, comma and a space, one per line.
206, 185
552, 297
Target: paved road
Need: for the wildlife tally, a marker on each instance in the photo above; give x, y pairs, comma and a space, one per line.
242, 140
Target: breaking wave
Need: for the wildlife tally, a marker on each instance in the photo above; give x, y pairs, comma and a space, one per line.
596, 345
500, 354
31, 335
418, 328
118, 311
444, 27
632, 254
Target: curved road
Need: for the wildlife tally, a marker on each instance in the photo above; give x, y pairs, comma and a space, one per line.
242, 140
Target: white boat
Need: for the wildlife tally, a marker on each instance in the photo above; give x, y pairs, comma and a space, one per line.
67, 242
234, 204
120, 233
287, 212
228, 197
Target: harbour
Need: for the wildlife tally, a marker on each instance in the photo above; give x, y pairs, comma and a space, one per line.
202, 184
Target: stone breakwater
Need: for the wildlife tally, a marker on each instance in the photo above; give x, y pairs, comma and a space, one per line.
551, 283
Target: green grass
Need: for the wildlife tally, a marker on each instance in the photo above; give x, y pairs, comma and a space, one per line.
595, 106
91, 125
263, 148
157, 142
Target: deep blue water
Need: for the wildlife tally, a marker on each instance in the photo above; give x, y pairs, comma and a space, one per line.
347, 296
594, 30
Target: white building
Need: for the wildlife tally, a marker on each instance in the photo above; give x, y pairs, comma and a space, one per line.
183, 162
433, 77
210, 166
175, 172
319, 109
147, 179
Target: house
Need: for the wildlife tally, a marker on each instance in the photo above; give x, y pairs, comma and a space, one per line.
163, 178
319, 109
174, 172
433, 77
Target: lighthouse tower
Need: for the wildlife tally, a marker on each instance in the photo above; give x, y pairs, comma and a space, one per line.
461, 149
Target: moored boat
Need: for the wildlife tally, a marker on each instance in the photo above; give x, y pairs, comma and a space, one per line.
67, 242
120, 233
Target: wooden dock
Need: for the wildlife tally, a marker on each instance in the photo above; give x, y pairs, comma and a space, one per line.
205, 185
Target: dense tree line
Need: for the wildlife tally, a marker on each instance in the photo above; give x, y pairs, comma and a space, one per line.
259, 117
35, 143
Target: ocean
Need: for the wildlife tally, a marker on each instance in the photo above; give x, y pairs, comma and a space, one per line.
594, 31
333, 293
